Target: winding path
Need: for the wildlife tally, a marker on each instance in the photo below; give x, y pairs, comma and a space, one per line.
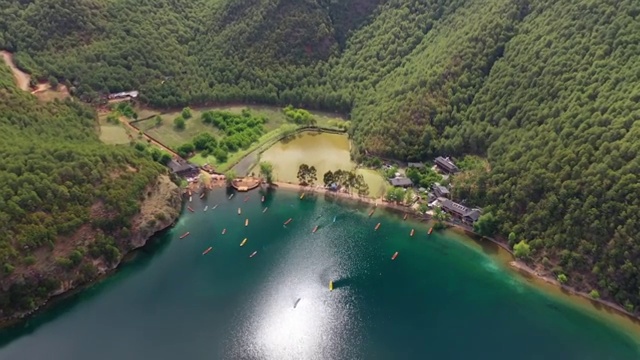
22, 78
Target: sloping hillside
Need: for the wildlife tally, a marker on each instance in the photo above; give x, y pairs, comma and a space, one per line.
560, 118
69, 205
547, 90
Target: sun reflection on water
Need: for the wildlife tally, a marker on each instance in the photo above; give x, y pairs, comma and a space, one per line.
277, 328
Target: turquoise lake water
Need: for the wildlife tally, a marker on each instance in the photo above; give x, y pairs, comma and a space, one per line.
440, 299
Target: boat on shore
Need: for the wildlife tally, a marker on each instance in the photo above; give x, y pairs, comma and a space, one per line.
330, 285
288, 221
253, 254
430, 230
206, 208
394, 256
377, 227
302, 196
207, 251
315, 229
246, 222
230, 196
412, 232
185, 235
189, 208
265, 210
243, 242
224, 231
239, 211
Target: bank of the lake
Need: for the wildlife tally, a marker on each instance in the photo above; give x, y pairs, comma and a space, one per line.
443, 297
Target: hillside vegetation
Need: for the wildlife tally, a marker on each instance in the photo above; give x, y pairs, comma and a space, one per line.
66, 202
546, 90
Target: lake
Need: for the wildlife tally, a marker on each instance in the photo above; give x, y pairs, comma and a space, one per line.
442, 298
327, 152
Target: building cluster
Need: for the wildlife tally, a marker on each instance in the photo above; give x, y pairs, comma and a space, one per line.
439, 195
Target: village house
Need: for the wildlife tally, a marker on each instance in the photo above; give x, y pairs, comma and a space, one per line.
440, 191
401, 182
459, 211
446, 165
124, 95
182, 168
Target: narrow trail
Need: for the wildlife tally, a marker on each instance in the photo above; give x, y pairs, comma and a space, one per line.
22, 78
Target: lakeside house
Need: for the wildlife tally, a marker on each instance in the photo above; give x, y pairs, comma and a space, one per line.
182, 168
440, 191
459, 211
401, 182
446, 165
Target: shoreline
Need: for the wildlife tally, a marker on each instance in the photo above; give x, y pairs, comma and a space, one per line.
514, 264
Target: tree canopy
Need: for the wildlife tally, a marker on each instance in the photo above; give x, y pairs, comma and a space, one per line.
546, 91
58, 179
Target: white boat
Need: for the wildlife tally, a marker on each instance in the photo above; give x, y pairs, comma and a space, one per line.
206, 208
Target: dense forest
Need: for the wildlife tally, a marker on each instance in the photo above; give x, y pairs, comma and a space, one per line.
57, 180
546, 91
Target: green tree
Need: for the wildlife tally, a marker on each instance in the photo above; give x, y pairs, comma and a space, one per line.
562, 278
179, 123
185, 150
306, 174
157, 120
164, 158
394, 194
441, 217
266, 171
487, 224
512, 238
328, 178
53, 82
521, 250
186, 113
361, 186
229, 176
595, 294
220, 155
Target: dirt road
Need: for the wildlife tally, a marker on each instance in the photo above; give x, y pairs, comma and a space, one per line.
22, 78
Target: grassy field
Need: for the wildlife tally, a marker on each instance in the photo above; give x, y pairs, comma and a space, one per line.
112, 133
168, 135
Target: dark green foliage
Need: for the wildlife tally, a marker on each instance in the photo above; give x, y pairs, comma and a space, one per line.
546, 91
307, 175
424, 177
240, 130
53, 171
179, 123
299, 116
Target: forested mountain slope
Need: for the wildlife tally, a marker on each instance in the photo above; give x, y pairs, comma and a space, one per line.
560, 118
547, 90
67, 202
